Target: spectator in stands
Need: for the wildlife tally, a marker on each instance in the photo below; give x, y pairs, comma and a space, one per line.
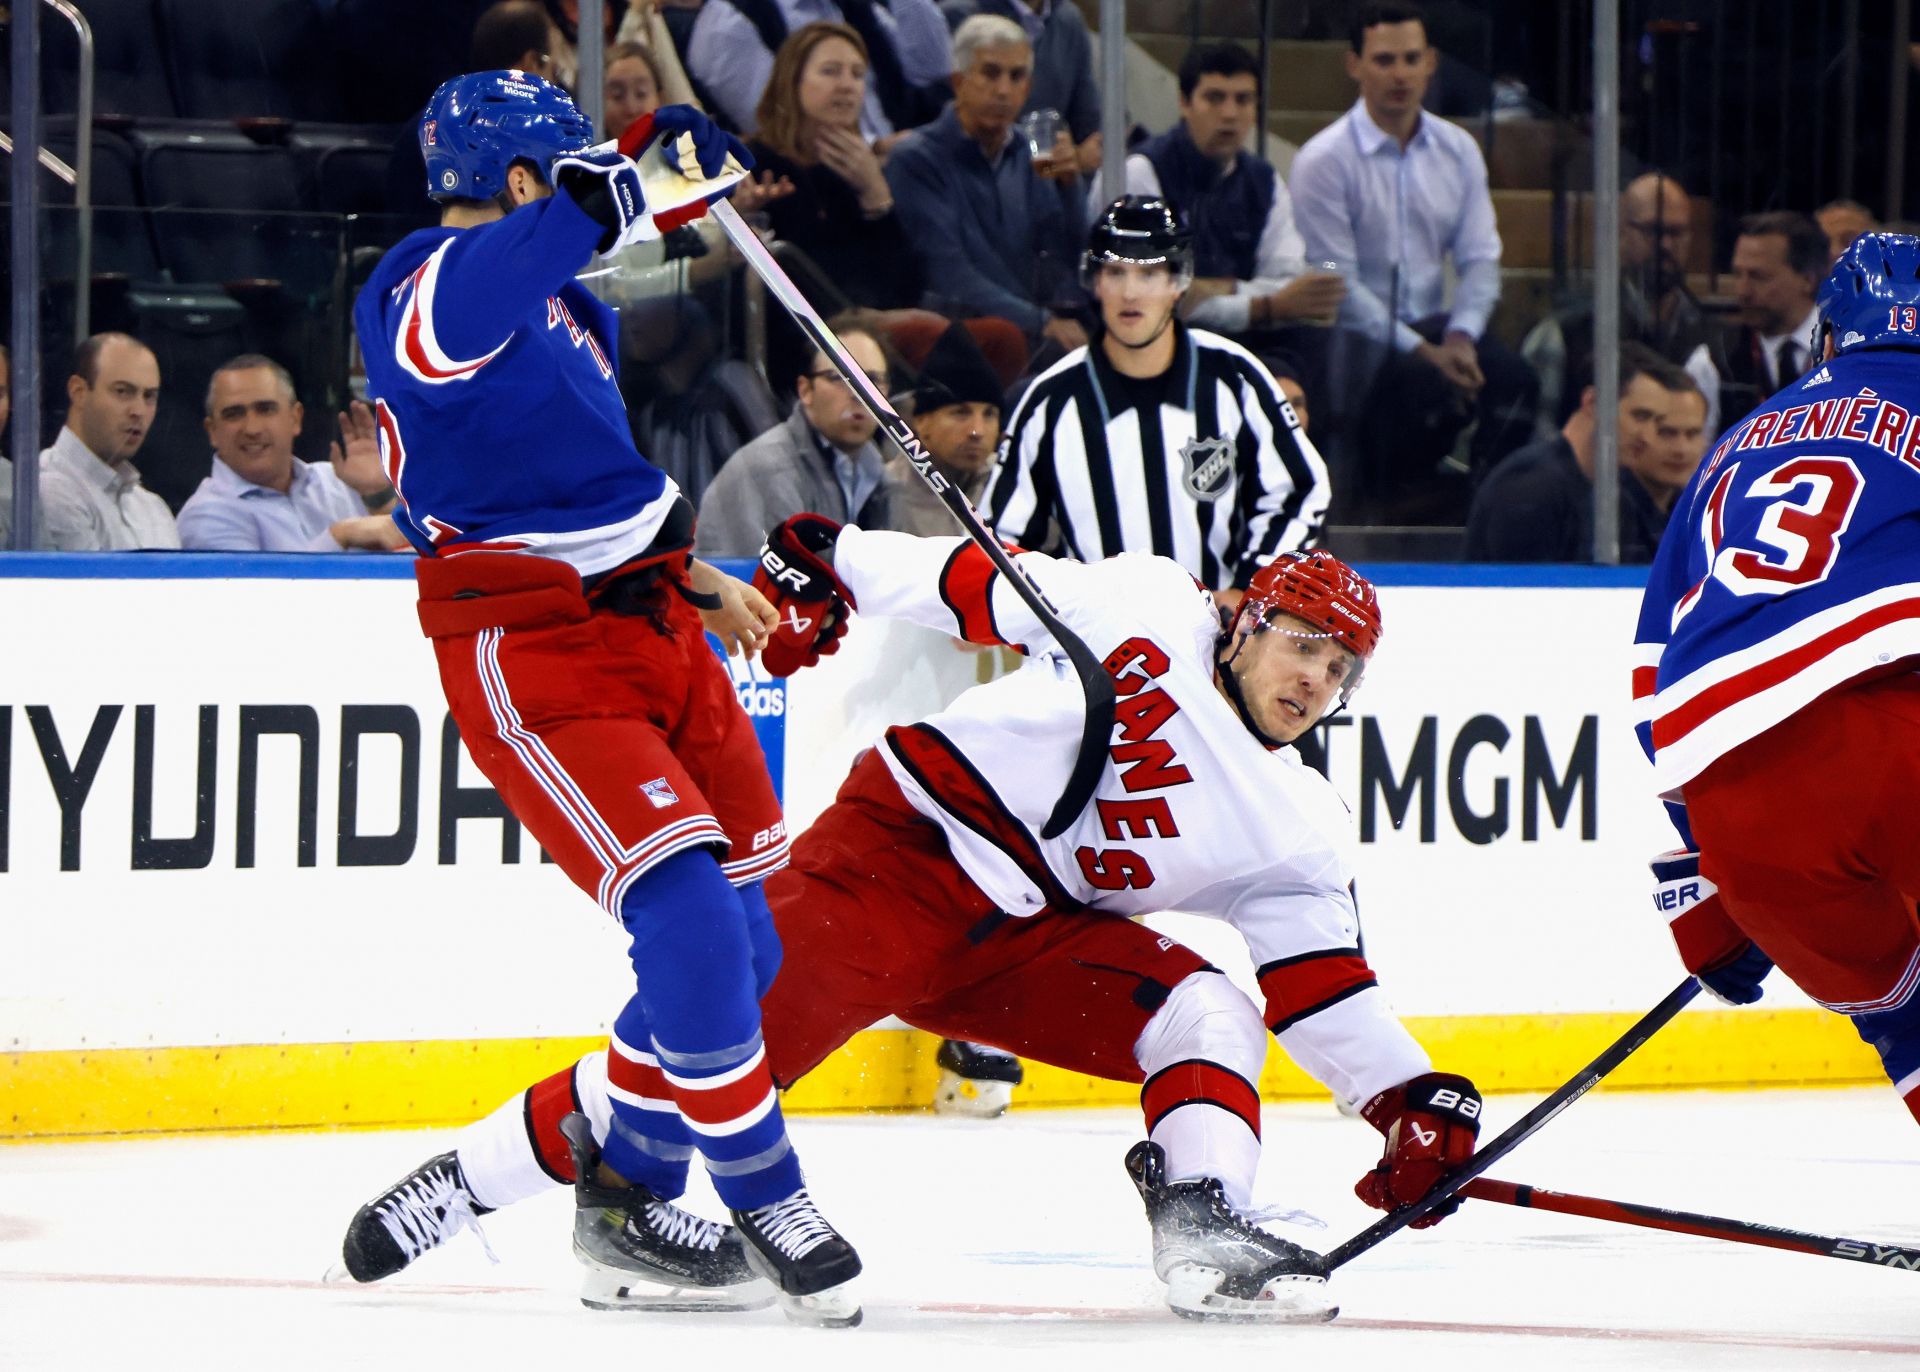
563, 17
514, 35
1295, 392
821, 459
1389, 194
837, 207
91, 499
645, 26
991, 236
1656, 308
1842, 221
954, 408
1679, 443
260, 498
1249, 260
1779, 260
1537, 505
1063, 76
730, 56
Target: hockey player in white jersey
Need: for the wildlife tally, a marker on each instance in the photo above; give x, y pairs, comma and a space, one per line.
926, 891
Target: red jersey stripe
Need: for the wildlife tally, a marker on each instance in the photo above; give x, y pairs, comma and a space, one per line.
1671, 726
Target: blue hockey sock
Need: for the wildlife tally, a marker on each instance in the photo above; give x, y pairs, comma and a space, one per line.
694, 957
1895, 1036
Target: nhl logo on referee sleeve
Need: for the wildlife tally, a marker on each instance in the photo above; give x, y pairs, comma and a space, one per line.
1206, 464
659, 792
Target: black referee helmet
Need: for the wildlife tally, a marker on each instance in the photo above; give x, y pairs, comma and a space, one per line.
1141, 229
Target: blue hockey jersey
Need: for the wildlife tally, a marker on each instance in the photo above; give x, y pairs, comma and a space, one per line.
492, 375
1791, 564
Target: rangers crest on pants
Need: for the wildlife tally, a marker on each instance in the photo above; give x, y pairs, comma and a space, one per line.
1206, 464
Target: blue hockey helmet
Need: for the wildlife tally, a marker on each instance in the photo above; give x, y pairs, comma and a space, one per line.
477, 126
1871, 298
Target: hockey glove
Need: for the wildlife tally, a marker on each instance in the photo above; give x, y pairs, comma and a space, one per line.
710, 144
1430, 1125
1728, 963
607, 187
796, 574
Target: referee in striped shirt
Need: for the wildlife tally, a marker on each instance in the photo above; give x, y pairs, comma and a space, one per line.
1156, 437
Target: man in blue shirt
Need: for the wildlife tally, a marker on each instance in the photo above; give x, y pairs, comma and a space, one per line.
260, 498
993, 236
1388, 193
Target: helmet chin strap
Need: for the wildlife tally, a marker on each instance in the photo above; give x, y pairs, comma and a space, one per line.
1230, 682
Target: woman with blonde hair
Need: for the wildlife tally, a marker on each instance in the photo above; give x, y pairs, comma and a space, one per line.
840, 211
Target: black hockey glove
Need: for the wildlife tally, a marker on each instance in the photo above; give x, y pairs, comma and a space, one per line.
607, 187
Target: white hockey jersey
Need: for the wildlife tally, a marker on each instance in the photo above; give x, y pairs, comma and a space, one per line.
1191, 813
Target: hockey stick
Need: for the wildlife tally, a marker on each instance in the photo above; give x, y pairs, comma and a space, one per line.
1686, 1222
1094, 682
1529, 1124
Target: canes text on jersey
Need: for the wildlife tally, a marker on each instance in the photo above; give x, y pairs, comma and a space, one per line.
1146, 764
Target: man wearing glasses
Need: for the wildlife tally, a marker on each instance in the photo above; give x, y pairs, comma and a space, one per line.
1656, 308
820, 460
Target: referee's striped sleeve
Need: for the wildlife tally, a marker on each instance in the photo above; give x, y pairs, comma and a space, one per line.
1291, 503
1014, 505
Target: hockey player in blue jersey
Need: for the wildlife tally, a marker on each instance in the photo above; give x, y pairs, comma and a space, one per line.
1778, 676
568, 620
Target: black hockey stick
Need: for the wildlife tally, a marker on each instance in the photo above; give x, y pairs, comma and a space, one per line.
1529, 1124
1097, 732
1686, 1222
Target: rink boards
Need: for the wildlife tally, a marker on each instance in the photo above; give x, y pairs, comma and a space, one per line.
249, 878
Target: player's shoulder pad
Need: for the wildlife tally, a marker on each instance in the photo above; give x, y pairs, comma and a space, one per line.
1165, 597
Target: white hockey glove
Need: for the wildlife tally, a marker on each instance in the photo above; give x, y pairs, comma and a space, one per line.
608, 187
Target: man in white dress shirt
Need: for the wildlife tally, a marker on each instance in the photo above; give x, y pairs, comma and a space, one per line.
91, 499
260, 498
1389, 193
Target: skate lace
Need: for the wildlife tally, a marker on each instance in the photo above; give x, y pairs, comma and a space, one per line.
427, 1210
793, 1225
675, 1225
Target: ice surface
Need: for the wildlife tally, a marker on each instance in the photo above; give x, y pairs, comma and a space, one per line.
1000, 1245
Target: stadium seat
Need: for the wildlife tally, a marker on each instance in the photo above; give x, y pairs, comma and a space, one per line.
191, 332
222, 205
131, 80
237, 58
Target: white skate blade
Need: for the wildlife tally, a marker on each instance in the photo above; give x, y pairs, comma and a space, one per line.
838, 1307
338, 1275
964, 1098
1193, 1293
608, 1288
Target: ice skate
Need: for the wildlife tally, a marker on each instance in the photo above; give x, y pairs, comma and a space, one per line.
1218, 1266
791, 1244
976, 1082
422, 1210
643, 1253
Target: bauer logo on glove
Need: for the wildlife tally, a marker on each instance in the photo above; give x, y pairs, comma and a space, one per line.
796, 576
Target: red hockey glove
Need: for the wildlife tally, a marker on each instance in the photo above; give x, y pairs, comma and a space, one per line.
796, 574
1729, 964
1430, 1124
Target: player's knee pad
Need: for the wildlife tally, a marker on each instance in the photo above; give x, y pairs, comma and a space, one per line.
762, 935
1205, 1017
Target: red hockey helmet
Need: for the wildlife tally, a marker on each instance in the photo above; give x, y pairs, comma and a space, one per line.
1319, 588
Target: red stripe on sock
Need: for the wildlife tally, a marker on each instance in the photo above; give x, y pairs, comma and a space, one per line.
1189, 1083
716, 1105
636, 1078
549, 1102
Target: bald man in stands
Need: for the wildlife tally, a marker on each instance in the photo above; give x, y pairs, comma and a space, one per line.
1656, 308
